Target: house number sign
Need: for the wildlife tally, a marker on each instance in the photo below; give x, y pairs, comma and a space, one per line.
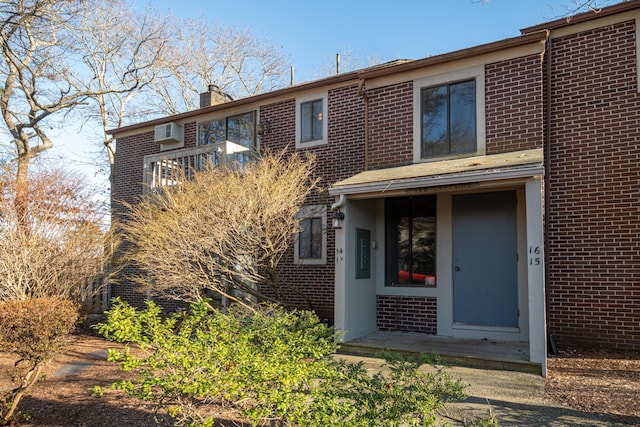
535, 253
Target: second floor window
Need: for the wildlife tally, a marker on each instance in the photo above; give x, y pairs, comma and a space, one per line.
239, 129
448, 113
311, 117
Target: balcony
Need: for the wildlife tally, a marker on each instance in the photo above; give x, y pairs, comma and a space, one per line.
165, 169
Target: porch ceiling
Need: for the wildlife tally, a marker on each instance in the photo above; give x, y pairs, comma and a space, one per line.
513, 165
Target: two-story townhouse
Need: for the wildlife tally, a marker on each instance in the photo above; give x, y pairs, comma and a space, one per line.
489, 193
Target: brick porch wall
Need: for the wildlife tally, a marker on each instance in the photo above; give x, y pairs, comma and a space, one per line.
407, 314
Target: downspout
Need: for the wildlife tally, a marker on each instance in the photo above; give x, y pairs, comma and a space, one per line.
547, 186
362, 91
342, 200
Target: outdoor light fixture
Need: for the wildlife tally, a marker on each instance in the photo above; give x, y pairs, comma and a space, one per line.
337, 220
263, 127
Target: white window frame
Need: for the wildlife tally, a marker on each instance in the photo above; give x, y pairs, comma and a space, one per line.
476, 73
323, 96
312, 211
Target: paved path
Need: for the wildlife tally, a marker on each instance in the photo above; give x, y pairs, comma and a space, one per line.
514, 398
75, 368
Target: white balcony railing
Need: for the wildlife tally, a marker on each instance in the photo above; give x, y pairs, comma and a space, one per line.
167, 168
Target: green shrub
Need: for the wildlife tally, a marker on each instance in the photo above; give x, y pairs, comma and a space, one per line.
35, 330
263, 366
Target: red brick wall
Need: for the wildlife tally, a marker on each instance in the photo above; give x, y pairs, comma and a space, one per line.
407, 314
594, 190
514, 105
127, 188
339, 159
391, 126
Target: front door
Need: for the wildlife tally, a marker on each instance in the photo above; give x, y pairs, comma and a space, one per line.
485, 276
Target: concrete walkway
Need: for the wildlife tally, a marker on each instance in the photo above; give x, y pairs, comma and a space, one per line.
74, 368
514, 398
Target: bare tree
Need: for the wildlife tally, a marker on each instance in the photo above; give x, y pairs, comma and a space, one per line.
33, 78
116, 67
346, 61
59, 55
58, 248
225, 231
570, 8
233, 58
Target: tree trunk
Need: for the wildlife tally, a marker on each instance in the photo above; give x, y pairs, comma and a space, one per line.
22, 194
30, 379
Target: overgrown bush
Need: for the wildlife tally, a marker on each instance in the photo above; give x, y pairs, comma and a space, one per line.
35, 330
266, 366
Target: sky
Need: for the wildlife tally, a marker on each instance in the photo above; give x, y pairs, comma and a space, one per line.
312, 33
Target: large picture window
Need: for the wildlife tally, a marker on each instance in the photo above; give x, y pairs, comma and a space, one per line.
449, 119
238, 129
410, 241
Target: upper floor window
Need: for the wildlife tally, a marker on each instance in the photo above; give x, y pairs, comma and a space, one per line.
310, 246
311, 120
449, 116
239, 129
449, 119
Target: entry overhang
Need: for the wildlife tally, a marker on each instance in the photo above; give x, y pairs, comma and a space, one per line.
495, 167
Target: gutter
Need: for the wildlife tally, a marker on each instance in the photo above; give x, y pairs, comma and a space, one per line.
362, 90
439, 180
547, 186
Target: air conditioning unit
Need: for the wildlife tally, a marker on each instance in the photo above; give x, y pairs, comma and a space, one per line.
169, 135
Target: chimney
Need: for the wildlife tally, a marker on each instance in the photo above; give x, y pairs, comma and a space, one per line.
213, 96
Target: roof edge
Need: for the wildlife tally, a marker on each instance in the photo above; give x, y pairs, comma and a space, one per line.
615, 9
341, 78
538, 36
376, 71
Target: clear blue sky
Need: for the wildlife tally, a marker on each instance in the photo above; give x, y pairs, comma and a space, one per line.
311, 33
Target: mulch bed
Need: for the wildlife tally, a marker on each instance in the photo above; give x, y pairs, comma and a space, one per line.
600, 381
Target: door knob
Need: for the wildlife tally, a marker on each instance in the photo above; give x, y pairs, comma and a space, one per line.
456, 268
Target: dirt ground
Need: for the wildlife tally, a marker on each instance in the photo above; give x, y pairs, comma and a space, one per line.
597, 382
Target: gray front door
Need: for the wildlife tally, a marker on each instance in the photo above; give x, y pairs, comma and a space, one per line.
485, 276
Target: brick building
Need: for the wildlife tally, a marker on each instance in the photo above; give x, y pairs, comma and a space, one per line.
492, 192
